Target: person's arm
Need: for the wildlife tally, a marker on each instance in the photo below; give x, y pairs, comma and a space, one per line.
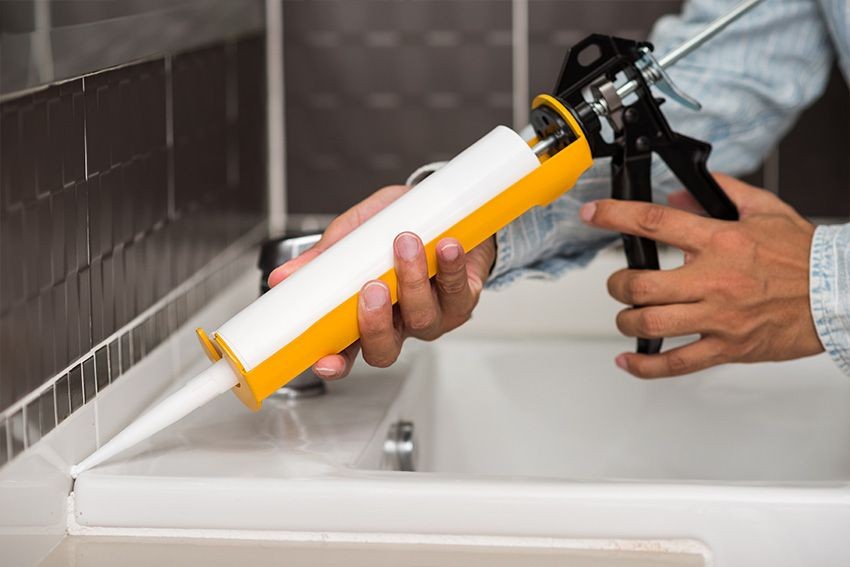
753, 81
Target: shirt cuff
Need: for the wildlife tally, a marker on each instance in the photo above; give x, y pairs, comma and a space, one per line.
513, 253
829, 291
505, 268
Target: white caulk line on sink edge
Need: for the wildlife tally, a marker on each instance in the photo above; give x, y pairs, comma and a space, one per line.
680, 546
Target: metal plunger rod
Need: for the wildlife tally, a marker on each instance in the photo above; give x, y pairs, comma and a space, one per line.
712, 30
692, 44
543, 145
670, 59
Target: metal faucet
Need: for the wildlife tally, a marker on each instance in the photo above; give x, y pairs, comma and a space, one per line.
272, 254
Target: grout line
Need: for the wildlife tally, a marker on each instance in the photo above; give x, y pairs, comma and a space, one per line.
55, 407
67, 394
519, 50
96, 423
131, 349
169, 136
109, 360
88, 193
108, 366
25, 432
120, 357
275, 105
231, 101
85, 134
7, 438
230, 254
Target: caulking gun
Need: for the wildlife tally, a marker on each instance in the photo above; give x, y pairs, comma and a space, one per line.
605, 86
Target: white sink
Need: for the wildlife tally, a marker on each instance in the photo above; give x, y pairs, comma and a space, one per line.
537, 440
560, 409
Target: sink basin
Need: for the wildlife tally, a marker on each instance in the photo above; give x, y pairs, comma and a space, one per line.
560, 409
539, 440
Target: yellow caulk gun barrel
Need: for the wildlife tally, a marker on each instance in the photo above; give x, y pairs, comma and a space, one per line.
313, 312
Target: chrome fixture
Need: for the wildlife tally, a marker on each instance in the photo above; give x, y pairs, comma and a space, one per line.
274, 253
400, 447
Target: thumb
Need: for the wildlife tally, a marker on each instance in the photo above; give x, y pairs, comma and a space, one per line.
339, 228
285, 270
750, 200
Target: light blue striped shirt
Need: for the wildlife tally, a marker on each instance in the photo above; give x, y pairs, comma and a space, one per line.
753, 81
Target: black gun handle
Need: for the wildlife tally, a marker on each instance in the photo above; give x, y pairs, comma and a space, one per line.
687, 158
642, 254
631, 181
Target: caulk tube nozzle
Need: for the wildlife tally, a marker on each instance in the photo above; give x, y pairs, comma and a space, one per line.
207, 385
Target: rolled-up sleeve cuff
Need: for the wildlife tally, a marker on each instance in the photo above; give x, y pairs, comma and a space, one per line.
504, 254
829, 291
512, 260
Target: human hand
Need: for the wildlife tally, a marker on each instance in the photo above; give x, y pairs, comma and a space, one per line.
744, 287
426, 309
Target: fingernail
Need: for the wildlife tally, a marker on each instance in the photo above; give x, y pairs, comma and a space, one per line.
325, 372
450, 252
587, 211
407, 246
374, 296
623, 362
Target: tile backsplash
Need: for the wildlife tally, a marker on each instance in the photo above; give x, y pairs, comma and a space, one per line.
376, 88
115, 189
554, 26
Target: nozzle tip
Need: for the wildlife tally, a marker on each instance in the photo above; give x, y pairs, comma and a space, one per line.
75, 471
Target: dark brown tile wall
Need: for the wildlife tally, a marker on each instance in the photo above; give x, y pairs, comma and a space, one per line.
42, 246
127, 193
375, 88
555, 25
114, 189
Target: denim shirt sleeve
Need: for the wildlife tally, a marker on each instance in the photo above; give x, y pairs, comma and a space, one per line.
829, 291
753, 80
